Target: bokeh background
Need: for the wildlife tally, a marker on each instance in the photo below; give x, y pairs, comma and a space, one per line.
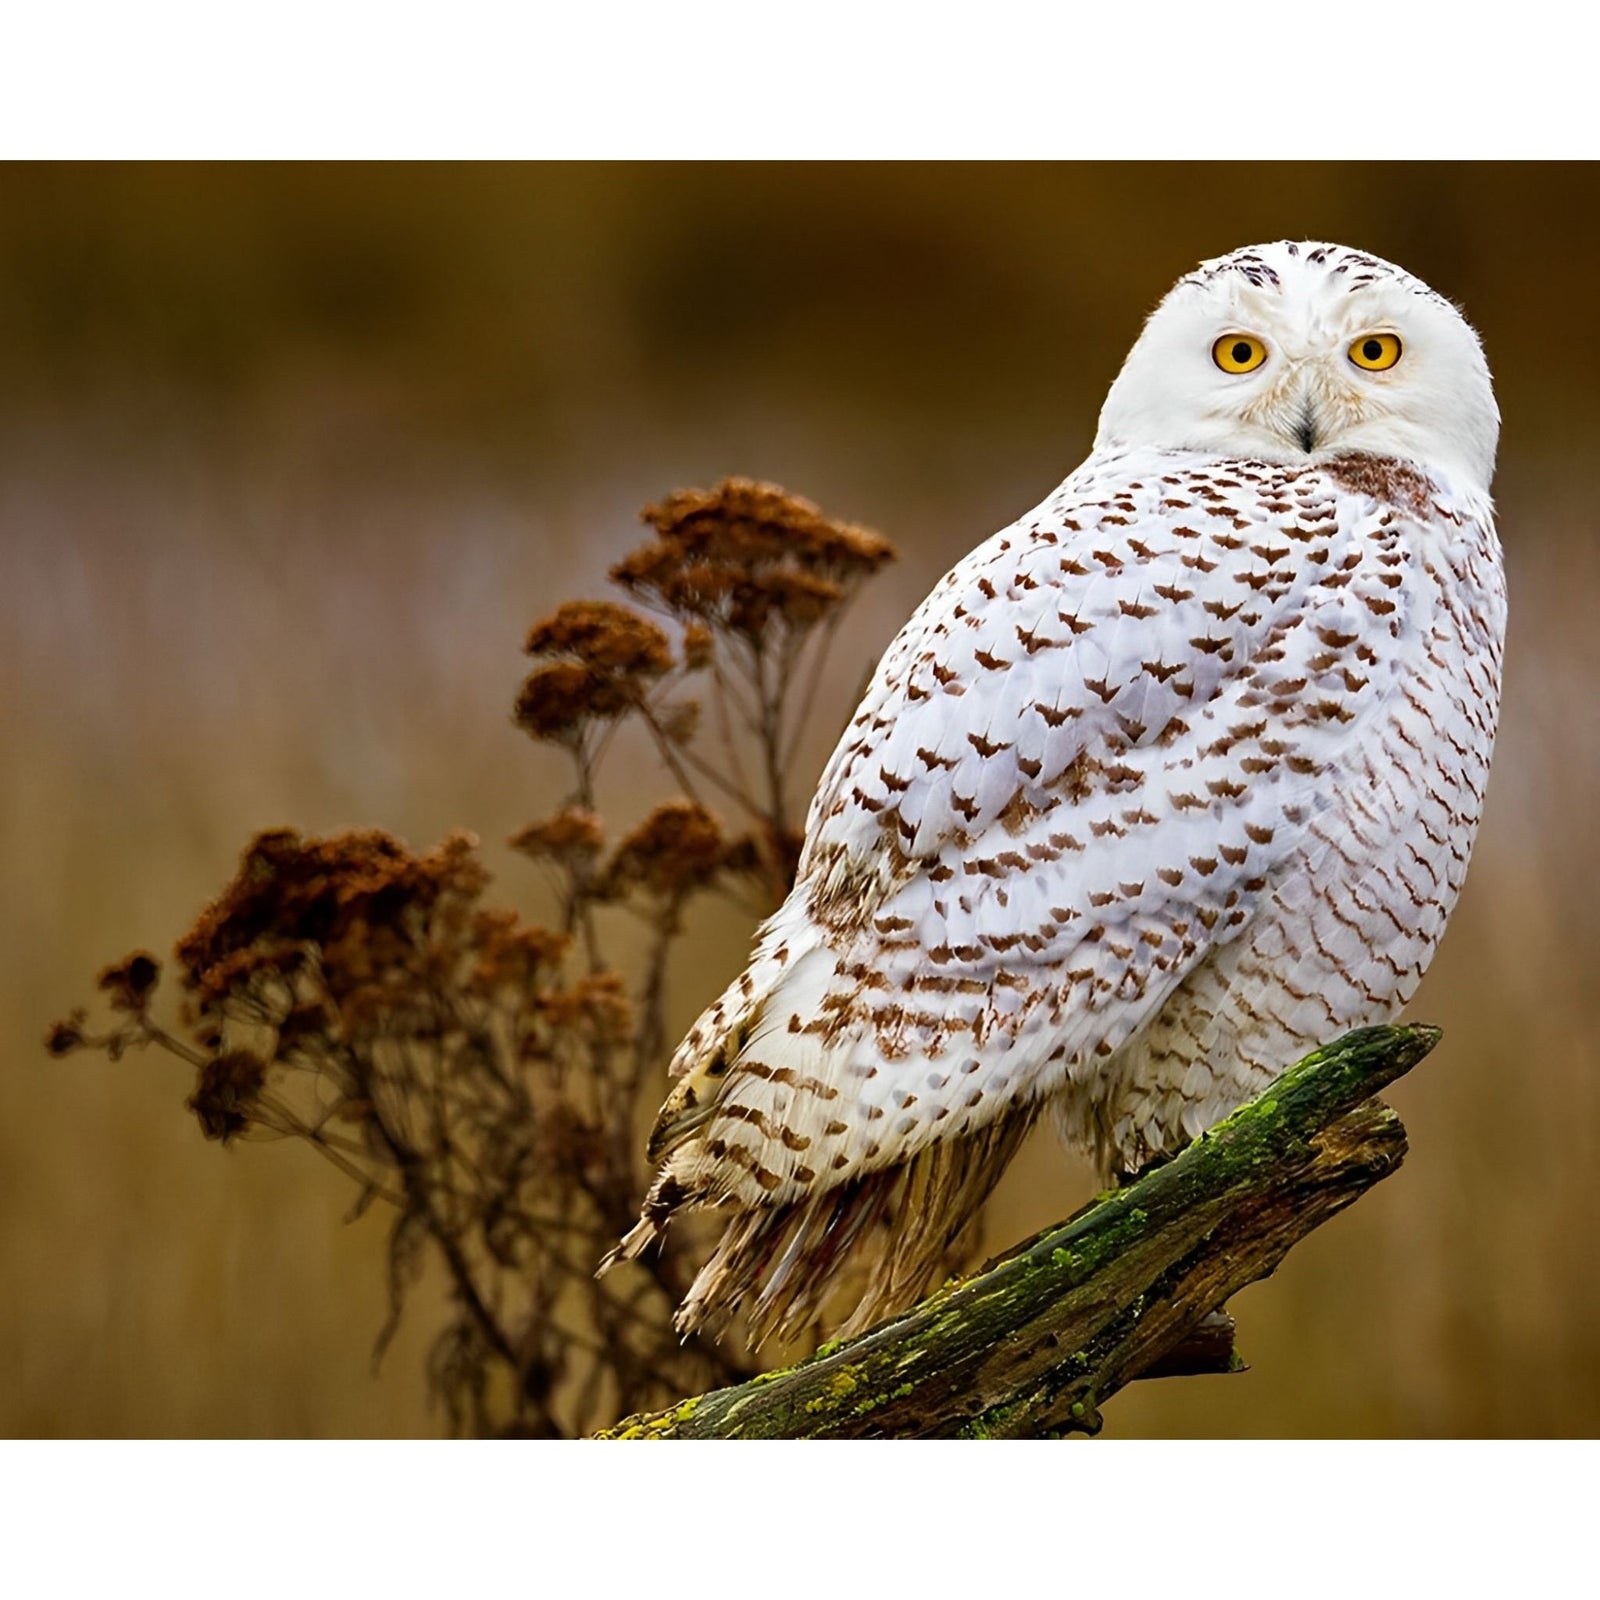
291, 456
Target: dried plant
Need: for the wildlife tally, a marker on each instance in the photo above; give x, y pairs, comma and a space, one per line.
485, 1075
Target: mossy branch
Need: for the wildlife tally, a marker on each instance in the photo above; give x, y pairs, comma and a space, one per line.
1035, 1343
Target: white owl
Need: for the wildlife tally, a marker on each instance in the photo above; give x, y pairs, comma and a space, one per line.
1170, 781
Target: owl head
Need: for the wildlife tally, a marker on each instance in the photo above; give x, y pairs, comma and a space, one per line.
1291, 352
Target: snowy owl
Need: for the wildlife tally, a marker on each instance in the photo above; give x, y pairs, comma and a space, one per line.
1163, 785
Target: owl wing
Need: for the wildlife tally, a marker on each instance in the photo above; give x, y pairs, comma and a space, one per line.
1072, 776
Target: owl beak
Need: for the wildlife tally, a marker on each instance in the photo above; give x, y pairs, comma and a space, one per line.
1301, 409
1301, 420
1305, 428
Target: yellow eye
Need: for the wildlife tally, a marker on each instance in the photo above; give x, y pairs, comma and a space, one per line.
1376, 352
1238, 352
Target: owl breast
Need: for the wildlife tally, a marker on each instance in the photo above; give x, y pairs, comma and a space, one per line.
1346, 924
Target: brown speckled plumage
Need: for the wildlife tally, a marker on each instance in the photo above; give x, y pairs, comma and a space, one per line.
1171, 780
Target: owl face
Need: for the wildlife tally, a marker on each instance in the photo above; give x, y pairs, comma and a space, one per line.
1295, 351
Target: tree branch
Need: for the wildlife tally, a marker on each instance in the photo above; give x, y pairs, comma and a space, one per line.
1036, 1342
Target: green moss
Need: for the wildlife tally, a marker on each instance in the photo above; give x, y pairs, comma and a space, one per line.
840, 1386
687, 1409
653, 1427
1041, 1287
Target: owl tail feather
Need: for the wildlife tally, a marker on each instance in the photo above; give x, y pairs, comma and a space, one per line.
901, 1223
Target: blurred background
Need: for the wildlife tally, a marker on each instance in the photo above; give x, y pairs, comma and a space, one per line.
291, 456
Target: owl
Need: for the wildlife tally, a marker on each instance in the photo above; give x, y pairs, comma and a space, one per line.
1168, 782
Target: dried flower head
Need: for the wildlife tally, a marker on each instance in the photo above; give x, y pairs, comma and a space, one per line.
355, 896
573, 835
130, 981
602, 661
560, 701
63, 1037
742, 555
512, 954
676, 849
225, 1097
597, 1003
602, 634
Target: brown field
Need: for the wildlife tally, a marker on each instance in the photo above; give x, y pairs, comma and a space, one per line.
289, 459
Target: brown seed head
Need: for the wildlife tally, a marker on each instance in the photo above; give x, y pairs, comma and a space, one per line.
676, 849
66, 1036
745, 556
558, 702
355, 897
597, 1003
512, 954
130, 981
573, 835
603, 635
225, 1096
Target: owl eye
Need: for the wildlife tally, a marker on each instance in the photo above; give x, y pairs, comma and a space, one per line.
1238, 352
1376, 352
